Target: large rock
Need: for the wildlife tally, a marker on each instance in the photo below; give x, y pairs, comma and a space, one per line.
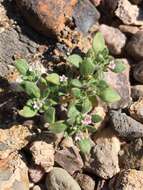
59, 179
121, 83
13, 139
128, 180
125, 126
131, 155
135, 46
13, 173
114, 38
69, 159
43, 154
104, 157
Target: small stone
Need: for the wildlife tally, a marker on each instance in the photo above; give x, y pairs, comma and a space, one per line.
67, 142
104, 157
43, 154
14, 138
136, 92
127, 180
129, 29
13, 173
128, 13
138, 72
69, 159
85, 182
135, 46
136, 110
125, 126
36, 187
36, 173
121, 83
114, 38
59, 179
131, 155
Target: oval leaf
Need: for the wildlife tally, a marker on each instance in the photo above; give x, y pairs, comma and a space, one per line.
49, 115
109, 95
86, 106
74, 60
87, 67
58, 127
85, 146
119, 67
27, 112
53, 78
22, 66
98, 43
76, 83
96, 118
31, 89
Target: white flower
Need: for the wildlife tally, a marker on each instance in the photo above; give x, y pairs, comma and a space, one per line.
63, 78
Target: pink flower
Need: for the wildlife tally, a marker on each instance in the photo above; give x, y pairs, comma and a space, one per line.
63, 78
87, 120
112, 65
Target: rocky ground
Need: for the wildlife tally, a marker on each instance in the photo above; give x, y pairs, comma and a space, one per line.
31, 158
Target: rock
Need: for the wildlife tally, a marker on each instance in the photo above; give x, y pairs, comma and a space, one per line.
128, 180
120, 82
85, 182
47, 16
114, 38
37, 187
131, 155
85, 16
135, 46
69, 159
13, 173
43, 154
136, 110
128, 13
125, 126
136, 92
138, 72
96, 2
104, 158
36, 173
14, 138
67, 142
59, 179
136, 2
129, 29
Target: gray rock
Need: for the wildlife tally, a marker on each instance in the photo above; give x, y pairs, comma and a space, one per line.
85, 182
59, 179
131, 155
114, 38
138, 72
125, 126
69, 159
127, 180
135, 46
104, 157
136, 92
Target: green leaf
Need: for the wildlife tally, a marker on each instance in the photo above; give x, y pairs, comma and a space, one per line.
76, 83
49, 115
98, 43
119, 67
85, 146
27, 112
74, 60
72, 113
53, 78
58, 127
76, 92
109, 95
86, 106
31, 89
96, 118
22, 66
87, 67
102, 84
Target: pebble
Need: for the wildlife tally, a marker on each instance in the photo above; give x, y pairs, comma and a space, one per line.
59, 179
125, 126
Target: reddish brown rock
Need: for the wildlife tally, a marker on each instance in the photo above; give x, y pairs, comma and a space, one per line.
47, 16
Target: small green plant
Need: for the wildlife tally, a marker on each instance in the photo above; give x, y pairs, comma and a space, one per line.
74, 97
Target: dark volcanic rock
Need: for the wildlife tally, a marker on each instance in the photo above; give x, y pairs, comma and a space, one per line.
125, 126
